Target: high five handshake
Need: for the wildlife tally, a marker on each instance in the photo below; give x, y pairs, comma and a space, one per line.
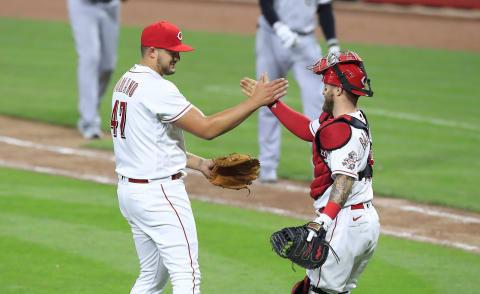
263, 91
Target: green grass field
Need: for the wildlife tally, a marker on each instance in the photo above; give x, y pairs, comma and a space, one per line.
60, 235
424, 116
73, 239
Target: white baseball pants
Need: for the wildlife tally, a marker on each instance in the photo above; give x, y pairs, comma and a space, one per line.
354, 236
165, 235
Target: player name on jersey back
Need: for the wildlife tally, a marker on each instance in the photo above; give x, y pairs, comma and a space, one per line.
126, 86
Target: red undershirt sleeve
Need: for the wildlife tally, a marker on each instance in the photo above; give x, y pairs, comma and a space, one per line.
295, 122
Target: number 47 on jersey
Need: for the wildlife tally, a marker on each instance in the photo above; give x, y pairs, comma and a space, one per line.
119, 112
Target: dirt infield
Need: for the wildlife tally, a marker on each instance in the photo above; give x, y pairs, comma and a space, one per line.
56, 150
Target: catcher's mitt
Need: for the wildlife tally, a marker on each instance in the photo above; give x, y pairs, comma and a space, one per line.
235, 171
292, 243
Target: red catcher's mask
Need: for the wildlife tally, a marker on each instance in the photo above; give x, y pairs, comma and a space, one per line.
344, 69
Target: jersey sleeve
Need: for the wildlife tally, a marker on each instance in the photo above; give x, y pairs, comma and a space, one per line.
349, 159
168, 104
314, 125
295, 122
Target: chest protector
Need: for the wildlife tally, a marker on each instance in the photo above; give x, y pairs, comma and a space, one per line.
334, 133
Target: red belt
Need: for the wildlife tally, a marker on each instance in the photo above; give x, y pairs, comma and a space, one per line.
143, 181
357, 206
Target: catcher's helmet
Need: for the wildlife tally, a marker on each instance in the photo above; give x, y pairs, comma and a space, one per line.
344, 69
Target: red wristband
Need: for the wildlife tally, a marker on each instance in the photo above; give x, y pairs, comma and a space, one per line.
332, 209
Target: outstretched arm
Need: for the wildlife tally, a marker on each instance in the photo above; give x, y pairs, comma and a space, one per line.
209, 127
295, 122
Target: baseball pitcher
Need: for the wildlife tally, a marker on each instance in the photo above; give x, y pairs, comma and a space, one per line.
149, 115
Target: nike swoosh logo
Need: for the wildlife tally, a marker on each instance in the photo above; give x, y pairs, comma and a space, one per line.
356, 218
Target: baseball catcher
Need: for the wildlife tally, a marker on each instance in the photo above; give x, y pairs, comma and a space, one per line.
235, 171
347, 221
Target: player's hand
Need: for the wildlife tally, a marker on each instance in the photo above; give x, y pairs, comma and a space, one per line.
321, 222
333, 46
313, 229
206, 166
248, 86
266, 93
287, 37
334, 49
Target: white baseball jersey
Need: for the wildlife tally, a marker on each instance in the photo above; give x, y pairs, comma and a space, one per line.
349, 160
147, 145
299, 15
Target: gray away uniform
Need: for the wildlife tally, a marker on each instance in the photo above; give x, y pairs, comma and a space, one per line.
95, 27
276, 60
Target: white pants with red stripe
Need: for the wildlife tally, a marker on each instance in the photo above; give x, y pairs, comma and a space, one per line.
165, 235
353, 235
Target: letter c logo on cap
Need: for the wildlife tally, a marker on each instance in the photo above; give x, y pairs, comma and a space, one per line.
179, 36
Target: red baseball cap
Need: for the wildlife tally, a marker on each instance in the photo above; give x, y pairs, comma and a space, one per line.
164, 35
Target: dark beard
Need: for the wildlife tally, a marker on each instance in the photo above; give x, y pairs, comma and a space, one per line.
165, 70
328, 106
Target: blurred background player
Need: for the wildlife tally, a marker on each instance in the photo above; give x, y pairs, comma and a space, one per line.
95, 27
285, 40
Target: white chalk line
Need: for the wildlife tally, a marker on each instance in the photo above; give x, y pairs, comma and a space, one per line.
55, 149
203, 198
279, 186
58, 172
413, 237
422, 119
459, 218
